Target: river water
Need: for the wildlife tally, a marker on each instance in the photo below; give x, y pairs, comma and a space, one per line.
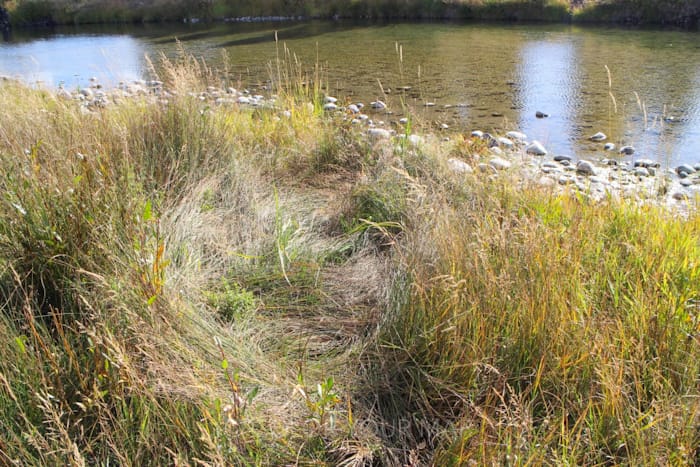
640, 87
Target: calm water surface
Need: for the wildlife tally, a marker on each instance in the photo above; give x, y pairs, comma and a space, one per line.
489, 77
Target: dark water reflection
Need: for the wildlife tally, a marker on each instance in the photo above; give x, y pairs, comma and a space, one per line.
491, 77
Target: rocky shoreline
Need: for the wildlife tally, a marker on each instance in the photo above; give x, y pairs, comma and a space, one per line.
513, 154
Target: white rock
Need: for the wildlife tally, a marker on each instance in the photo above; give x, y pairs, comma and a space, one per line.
378, 105
536, 148
609, 147
585, 168
565, 180
600, 136
378, 133
403, 120
415, 140
243, 100
477, 134
330, 107
330, 100
516, 135
628, 150
354, 109
499, 163
459, 166
505, 142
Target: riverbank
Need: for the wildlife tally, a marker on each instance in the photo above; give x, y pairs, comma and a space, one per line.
677, 13
192, 273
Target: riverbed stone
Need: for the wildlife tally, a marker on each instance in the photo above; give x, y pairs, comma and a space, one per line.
353, 108
609, 146
378, 105
415, 140
516, 135
585, 168
536, 148
600, 136
330, 107
562, 158
499, 163
505, 142
565, 180
376, 134
680, 196
685, 168
459, 166
540, 114
641, 172
646, 163
627, 150
477, 134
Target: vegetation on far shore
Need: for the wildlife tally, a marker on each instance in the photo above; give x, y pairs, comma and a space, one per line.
193, 284
684, 13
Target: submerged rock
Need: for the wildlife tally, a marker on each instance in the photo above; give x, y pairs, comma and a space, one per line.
609, 147
627, 150
600, 136
540, 114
